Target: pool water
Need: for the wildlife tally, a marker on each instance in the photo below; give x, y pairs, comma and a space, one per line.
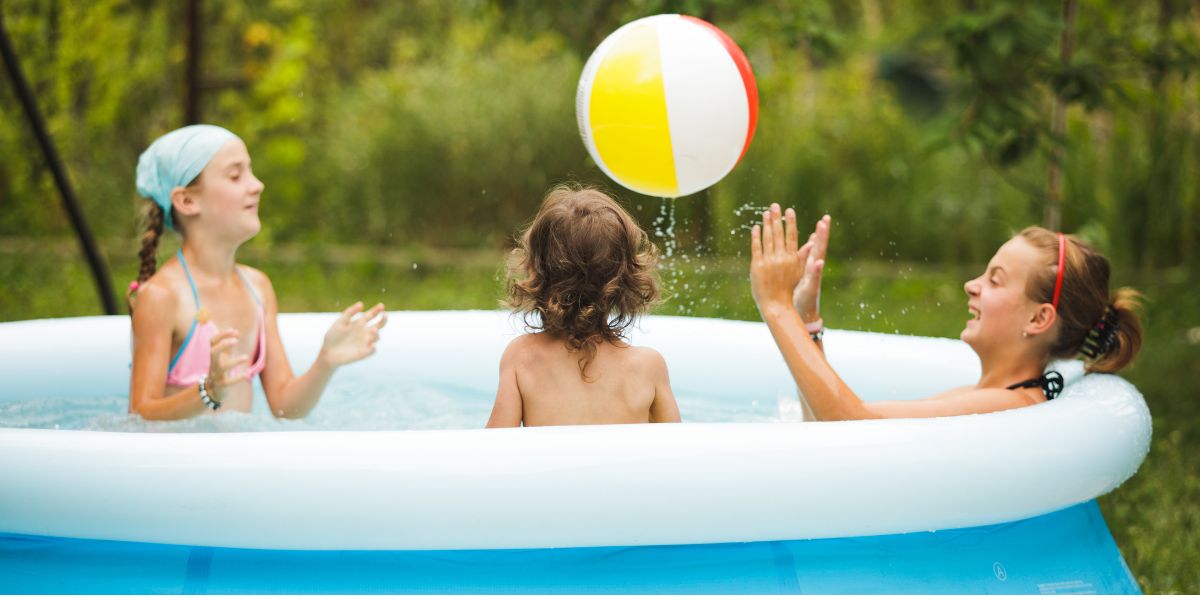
351, 406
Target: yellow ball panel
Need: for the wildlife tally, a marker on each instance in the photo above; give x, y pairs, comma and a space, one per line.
629, 115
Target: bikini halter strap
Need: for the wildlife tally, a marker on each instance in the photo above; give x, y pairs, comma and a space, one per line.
1051, 383
195, 294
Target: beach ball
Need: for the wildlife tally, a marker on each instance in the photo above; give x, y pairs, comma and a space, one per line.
667, 105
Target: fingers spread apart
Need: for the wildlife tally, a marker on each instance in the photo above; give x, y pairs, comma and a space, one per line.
350, 311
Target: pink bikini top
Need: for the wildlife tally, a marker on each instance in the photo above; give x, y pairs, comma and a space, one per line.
194, 357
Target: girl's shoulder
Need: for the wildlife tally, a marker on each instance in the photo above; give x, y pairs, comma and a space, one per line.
251, 271
259, 280
167, 284
257, 277
161, 296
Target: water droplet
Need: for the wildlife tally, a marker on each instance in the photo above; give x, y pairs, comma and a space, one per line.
414, 266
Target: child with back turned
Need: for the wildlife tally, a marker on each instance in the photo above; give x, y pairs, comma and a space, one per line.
585, 271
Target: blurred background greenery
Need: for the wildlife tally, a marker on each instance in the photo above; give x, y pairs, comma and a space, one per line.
404, 143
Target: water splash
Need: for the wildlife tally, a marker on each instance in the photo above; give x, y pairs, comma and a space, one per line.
747, 216
668, 265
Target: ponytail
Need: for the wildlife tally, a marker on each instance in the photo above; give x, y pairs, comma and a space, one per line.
1118, 336
149, 251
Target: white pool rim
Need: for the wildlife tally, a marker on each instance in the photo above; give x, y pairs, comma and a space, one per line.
558, 486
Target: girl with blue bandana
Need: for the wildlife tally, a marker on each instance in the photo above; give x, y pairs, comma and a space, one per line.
203, 325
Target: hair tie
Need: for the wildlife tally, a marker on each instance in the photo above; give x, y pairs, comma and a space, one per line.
1103, 335
1062, 259
133, 286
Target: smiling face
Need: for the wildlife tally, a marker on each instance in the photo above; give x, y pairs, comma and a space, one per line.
227, 194
1000, 307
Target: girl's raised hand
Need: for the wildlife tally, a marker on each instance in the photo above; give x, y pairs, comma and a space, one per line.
807, 295
225, 368
776, 264
353, 335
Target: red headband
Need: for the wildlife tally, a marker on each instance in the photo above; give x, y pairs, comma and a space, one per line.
1062, 260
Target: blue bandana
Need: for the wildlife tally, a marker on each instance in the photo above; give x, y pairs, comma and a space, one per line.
175, 159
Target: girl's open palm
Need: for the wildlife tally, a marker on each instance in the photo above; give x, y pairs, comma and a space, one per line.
807, 295
225, 367
776, 265
353, 335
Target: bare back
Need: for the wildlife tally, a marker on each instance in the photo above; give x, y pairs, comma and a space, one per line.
541, 384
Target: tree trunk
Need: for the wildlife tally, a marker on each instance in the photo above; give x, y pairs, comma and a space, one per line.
1058, 126
191, 92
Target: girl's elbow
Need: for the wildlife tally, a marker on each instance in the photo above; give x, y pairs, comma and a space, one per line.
289, 413
146, 411
862, 414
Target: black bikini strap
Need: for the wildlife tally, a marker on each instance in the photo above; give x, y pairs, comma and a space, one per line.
1051, 383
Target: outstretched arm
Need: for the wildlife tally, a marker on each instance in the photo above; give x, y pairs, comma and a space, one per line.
351, 338
776, 268
807, 295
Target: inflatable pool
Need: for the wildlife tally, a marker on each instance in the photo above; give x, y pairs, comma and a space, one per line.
765, 503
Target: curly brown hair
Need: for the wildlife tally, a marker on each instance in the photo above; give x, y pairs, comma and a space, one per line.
585, 268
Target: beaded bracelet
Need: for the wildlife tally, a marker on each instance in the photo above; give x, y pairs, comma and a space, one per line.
816, 330
208, 400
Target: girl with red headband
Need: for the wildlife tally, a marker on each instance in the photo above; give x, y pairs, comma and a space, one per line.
1043, 296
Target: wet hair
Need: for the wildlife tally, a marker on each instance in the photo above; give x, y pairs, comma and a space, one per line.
1102, 325
585, 268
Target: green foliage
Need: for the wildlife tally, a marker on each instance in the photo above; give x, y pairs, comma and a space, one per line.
922, 123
